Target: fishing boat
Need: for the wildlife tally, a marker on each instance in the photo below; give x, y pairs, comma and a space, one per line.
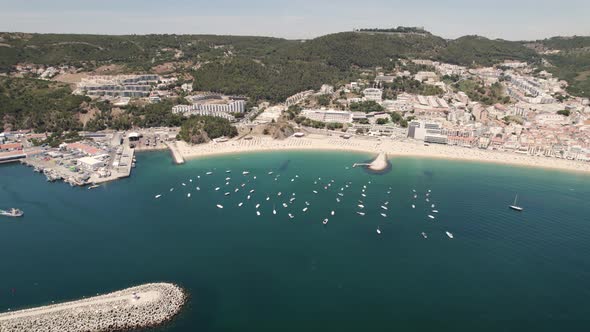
274, 211
378, 230
449, 234
257, 213
267, 198
237, 189
227, 179
384, 207
279, 193
226, 194
424, 235
171, 189
304, 209
209, 173
434, 211
514, 206
361, 213
241, 203
363, 195
12, 213
285, 205
228, 171
158, 196
257, 205
315, 192
94, 186
361, 206
184, 184
325, 221
251, 191
245, 173
430, 216
198, 188
383, 215
332, 213
307, 203
188, 195
216, 189
413, 206
248, 197
220, 206
337, 199
291, 216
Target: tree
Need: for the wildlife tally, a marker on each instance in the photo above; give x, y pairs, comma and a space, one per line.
382, 121
564, 112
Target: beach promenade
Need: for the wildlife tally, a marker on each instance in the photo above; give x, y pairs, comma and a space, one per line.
132, 308
390, 147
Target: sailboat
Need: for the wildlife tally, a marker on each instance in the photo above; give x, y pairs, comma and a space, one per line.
514, 206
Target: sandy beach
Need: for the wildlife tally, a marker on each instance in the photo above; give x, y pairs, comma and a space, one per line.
390, 147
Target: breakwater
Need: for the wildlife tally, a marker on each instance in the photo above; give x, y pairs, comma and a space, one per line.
136, 307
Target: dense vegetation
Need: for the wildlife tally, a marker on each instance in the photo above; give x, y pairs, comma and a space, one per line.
409, 85
366, 107
476, 50
399, 29
476, 91
42, 105
200, 129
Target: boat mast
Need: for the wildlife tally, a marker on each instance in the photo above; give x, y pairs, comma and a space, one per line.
515, 199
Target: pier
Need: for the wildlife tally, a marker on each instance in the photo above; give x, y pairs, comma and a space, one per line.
133, 308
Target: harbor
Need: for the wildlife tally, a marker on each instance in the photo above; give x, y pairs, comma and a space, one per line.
132, 308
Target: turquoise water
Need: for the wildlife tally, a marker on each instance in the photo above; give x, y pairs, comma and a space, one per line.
503, 270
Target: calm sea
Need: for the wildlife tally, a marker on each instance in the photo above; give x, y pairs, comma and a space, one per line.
502, 271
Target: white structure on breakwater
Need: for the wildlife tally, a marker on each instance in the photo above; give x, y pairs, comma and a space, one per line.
132, 308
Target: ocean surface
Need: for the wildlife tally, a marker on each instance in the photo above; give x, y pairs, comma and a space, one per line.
502, 271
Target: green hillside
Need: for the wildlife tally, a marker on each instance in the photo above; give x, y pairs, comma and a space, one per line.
480, 51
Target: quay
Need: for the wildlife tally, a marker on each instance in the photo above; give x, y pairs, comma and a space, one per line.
133, 308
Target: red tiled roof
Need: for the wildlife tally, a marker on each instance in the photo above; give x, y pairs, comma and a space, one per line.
11, 146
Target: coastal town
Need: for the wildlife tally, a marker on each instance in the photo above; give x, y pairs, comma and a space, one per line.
505, 113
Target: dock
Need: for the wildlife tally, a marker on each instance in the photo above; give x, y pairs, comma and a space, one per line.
129, 309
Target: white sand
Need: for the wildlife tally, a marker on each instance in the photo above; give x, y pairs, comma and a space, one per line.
390, 147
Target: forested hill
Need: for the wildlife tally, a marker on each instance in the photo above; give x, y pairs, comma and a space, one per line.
274, 68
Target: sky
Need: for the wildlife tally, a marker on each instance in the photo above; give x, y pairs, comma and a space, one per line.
298, 19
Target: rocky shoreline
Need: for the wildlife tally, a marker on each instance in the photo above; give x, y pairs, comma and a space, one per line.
132, 308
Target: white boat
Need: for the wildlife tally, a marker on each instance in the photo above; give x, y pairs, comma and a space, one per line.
248, 197
449, 234
158, 196
315, 192
274, 211
429, 190
171, 189
239, 205
413, 206
184, 184
227, 179
292, 180
285, 205
220, 206
291, 216
228, 171
251, 191
384, 207
269, 173
389, 192
430, 216
198, 188
341, 194
292, 199
434, 211
188, 195
94, 186
12, 213
257, 213
279, 194
209, 173
424, 235
332, 213
267, 198
304, 209
415, 196
361, 206
386, 203
432, 206
337, 199
514, 206
361, 213
226, 183
190, 180
216, 189
237, 189
384, 215
226, 194
257, 205
325, 221
245, 173
378, 230
427, 200
307, 203
254, 177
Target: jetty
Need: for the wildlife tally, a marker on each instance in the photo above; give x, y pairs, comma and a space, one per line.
132, 308
176, 155
379, 164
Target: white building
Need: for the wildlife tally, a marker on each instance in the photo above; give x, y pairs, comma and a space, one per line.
328, 116
90, 163
373, 94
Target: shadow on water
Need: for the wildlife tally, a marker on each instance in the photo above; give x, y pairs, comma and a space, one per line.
284, 166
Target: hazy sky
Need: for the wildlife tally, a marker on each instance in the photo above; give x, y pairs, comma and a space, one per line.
508, 19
